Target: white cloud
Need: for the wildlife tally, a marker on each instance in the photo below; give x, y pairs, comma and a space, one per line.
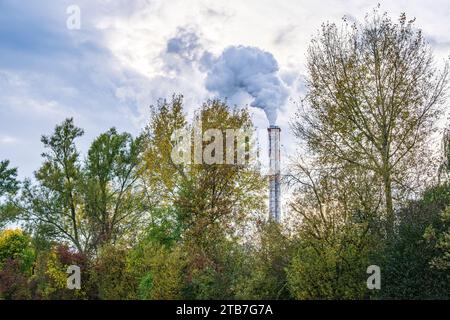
109, 72
8, 140
138, 38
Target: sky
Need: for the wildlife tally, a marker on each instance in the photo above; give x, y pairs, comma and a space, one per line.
128, 54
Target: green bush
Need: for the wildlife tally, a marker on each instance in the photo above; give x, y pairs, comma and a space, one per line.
16, 245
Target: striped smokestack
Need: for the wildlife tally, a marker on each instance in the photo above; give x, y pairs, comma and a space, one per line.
274, 173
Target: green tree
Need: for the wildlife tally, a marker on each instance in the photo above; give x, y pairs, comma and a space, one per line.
219, 197
16, 245
337, 235
17, 257
113, 199
438, 237
109, 275
409, 260
263, 274
8, 178
8, 186
219, 271
209, 203
374, 94
329, 268
159, 270
55, 203
86, 204
415, 261
200, 193
49, 280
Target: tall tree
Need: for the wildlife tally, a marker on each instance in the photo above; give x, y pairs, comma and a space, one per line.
8, 178
160, 173
263, 274
373, 95
55, 203
202, 194
220, 194
8, 186
114, 202
336, 211
209, 201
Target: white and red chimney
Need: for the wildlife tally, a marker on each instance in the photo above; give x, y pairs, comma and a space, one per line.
274, 173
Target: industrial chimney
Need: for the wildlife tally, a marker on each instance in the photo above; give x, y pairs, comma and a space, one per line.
274, 173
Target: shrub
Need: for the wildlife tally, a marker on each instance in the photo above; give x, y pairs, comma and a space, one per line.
16, 245
50, 277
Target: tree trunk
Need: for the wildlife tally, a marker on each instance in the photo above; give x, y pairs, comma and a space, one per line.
388, 199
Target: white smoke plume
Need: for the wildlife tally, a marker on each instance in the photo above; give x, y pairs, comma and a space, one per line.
251, 70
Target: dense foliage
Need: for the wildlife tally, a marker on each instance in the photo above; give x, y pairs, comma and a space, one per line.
140, 225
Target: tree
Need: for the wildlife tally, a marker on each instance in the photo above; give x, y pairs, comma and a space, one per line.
114, 201
337, 233
8, 186
439, 239
202, 195
55, 203
8, 182
209, 203
159, 270
438, 235
16, 261
373, 95
159, 172
109, 275
411, 259
88, 204
13, 283
414, 261
219, 197
263, 275
16, 245
49, 280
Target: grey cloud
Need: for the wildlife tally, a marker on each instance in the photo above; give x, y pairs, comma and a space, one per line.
185, 44
251, 70
285, 35
238, 72
438, 42
183, 52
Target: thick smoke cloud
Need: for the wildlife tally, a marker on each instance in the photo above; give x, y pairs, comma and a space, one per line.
239, 73
248, 69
